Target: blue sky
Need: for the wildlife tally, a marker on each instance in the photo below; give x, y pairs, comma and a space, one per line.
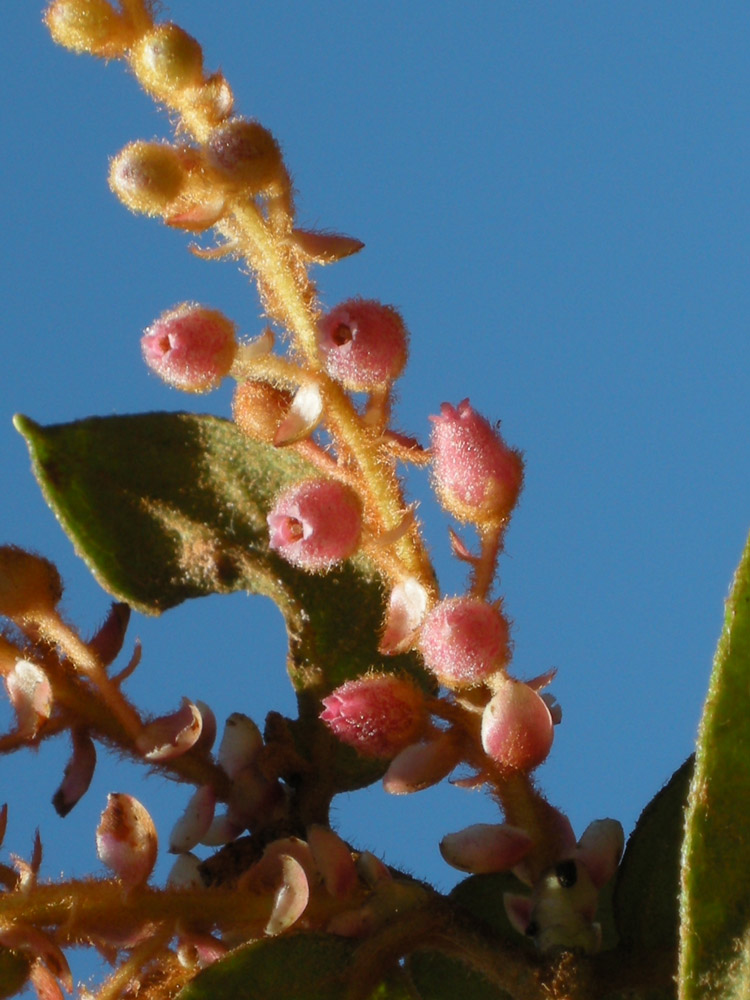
555, 197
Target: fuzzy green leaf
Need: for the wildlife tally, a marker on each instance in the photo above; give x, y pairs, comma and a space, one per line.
300, 967
715, 900
648, 880
168, 506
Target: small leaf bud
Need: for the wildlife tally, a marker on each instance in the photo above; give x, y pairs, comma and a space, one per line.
378, 715
363, 344
316, 524
29, 584
464, 640
477, 476
517, 727
258, 409
91, 26
126, 839
167, 60
147, 176
190, 347
245, 154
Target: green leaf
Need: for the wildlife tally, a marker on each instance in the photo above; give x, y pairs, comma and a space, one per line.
299, 967
648, 880
440, 977
169, 506
715, 901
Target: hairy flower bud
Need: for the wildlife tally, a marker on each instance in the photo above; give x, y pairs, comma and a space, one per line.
29, 584
378, 715
258, 409
91, 26
167, 60
517, 727
148, 176
463, 640
245, 154
477, 476
363, 344
316, 524
190, 347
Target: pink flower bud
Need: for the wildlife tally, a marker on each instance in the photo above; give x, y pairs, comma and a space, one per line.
126, 839
477, 476
485, 847
517, 728
78, 773
378, 715
190, 347
463, 640
316, 524
363, 344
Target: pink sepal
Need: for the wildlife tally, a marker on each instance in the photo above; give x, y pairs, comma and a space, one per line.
333, 859
485, 847
291, 897
407, 607
325, 248
108, 639
240, 744
78, 773
421, 765
600, 849
30, 694
171, 735
304, 414
194, 822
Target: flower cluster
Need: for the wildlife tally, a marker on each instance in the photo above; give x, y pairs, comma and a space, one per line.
435, 691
